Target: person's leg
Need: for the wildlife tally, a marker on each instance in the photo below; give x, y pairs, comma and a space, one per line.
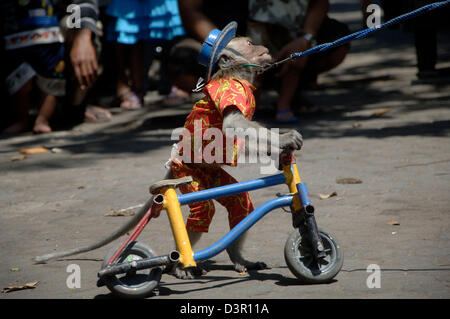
21, 103
185, 82
275, 38
47, 108
425, 40
123, 86
288, 87
137, 67
329, 31
183, 69
128, 57
321, 64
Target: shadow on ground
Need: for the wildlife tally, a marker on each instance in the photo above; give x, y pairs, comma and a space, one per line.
212, 282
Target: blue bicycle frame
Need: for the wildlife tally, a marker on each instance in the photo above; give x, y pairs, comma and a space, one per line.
169, 200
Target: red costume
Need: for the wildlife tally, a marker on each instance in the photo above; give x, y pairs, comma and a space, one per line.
219, 95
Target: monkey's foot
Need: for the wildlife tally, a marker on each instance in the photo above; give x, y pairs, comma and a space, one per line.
244, 265
189, 273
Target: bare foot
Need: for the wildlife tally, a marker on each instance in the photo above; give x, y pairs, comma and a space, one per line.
41, 126
17, 127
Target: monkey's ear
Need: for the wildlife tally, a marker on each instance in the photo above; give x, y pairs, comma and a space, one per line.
225, 61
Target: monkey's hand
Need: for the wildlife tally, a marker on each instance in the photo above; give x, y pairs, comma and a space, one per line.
291, 140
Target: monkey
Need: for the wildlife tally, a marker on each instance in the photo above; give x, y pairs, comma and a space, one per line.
243, 61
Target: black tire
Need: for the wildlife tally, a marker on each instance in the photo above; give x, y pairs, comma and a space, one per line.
135, 284
301, 263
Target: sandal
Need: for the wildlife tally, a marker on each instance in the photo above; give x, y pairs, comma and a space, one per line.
129, 100
176, 97
286, 116
95, 114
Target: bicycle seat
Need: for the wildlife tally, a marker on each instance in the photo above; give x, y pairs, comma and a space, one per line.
154, 188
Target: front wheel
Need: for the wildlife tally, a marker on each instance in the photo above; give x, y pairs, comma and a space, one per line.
301, 262
135, 284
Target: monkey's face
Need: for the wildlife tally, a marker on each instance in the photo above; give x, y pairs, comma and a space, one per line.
256, 54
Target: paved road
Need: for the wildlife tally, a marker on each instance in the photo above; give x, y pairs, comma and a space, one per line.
57, 201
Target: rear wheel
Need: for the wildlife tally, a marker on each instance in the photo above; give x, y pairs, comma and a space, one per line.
301, 262
134, 284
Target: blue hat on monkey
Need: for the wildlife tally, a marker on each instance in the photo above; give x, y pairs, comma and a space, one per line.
214, 43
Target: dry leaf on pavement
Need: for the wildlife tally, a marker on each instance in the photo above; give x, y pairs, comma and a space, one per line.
29, 285
381, 112
325, 196
125, 212
33, 150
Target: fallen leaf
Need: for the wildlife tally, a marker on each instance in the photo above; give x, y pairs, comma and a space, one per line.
30, 285
33, 150
125, 212
348, 180
381, 112
325, 196
393, 223
15, 269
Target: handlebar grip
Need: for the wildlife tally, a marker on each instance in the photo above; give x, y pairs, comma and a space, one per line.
286, 158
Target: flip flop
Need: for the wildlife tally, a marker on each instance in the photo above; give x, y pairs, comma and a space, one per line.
132, 99
176, 97
96, 114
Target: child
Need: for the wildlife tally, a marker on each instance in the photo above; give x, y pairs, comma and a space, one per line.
132, 23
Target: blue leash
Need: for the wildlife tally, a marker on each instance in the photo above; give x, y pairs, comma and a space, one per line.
360, 34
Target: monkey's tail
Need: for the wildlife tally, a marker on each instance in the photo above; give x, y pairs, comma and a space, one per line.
121, 231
